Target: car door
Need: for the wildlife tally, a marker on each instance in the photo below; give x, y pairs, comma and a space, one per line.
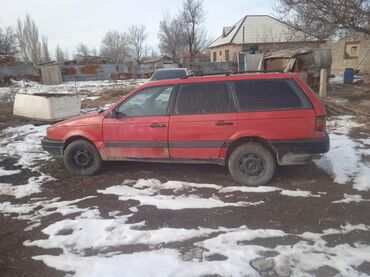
203, 119
138, 127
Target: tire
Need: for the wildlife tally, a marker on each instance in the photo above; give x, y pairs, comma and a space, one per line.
251, 164
81, 158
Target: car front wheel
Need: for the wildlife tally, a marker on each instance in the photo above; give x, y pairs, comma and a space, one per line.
81, 158
251, 164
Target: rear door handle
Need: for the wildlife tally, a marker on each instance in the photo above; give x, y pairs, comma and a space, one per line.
224, 123
157, 125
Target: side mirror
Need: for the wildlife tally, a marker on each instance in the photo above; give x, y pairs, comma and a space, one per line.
113, 114
116, 114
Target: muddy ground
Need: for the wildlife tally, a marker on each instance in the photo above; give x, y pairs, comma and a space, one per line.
293, 215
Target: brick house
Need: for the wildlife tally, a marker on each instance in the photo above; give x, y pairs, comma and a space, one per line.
261, 33
353, 52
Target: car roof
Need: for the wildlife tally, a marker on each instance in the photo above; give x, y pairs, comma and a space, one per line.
222, 78
173, 69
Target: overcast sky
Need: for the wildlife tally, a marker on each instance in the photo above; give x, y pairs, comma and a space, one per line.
68, 22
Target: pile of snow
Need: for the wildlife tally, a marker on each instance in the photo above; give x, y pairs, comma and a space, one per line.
343, 161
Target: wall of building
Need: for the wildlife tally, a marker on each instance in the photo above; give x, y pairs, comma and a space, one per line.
220, 53
211, 67
342, 61
263, 47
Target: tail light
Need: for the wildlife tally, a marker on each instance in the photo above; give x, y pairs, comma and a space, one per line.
320, 125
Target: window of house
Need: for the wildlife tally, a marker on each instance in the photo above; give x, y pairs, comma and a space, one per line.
206, 98
147, 102
220, 53
351, 50
258, 95
214, 56
227, 55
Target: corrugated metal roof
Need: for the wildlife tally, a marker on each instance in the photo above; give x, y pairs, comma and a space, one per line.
261, 29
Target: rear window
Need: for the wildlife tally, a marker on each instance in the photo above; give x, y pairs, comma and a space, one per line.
168, 74
206, 98
280, 94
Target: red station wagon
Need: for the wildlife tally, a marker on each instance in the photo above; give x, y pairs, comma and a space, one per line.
249, 122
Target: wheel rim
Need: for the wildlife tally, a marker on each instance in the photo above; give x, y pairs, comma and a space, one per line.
252, 165
82, 159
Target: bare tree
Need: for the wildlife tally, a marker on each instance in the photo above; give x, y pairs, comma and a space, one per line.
22, 41
114, 46
45, 49
325, 19
82, 51
136, 37
8, 41
192, 17
172, 37
59, 54
28, 39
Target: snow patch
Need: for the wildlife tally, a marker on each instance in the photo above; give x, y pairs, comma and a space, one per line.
80, 87
108, 233
33, 186
24, 144
260, 189
298, 193
147, 193
362, 180
343, 161
348, 198
4, 172
35, 210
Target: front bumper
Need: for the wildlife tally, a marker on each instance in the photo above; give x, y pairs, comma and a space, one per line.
54, 147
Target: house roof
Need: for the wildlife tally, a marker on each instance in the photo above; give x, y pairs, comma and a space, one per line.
260, 29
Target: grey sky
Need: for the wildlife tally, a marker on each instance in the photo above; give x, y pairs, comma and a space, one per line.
68, 22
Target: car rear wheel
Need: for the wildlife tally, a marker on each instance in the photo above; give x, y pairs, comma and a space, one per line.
82, 158
251, 164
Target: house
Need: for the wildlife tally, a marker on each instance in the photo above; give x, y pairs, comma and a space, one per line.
258, 33
351, 52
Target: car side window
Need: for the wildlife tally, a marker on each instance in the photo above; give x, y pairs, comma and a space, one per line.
147, 102
278, 94
205, 98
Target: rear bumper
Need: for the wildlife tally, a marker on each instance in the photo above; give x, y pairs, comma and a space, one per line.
300, 151
54, 147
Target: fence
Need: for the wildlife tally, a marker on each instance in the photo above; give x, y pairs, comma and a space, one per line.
93, 72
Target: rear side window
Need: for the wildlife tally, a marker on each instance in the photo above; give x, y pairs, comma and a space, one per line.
206, 98
279, 94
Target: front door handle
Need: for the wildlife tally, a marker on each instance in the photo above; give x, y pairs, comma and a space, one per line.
157, 125
224, 123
